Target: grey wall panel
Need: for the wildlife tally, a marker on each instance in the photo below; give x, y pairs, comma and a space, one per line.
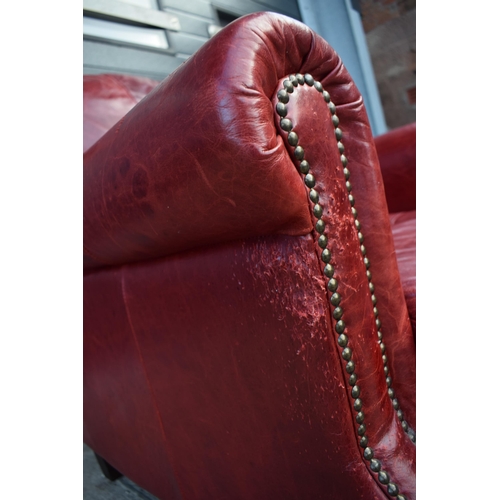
195, 25
200, 7
127, 59
194, 16
186, 43
289, 7
237, 7
243, 7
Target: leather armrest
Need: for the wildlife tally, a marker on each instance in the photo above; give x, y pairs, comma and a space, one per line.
199, 161
207, 158
397, 156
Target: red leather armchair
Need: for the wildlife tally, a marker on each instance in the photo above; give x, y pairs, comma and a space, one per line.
246, 333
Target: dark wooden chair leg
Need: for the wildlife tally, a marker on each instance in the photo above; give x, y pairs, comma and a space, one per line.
108, 470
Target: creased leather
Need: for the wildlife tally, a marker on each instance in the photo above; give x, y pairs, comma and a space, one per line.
219, 306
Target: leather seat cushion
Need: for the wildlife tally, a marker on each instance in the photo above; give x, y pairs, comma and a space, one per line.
404, 233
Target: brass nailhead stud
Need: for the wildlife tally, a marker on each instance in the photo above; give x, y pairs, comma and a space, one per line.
392, 489
326, 255
340, 326
317, 211
299, 153
293, 139
283, 96
309, 79
328, 270
347, 353
335, 299
288, 86
337, 312
285, 123
281, 109
383, 477
333, 285
309, 180
342, 340
320, 225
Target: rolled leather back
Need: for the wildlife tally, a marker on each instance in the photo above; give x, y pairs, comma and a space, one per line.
207, 158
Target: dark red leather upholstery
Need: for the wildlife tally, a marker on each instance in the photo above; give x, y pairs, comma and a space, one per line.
212, 363
396, 151
404, 233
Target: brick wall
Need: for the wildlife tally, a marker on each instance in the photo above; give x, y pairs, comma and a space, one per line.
390, 27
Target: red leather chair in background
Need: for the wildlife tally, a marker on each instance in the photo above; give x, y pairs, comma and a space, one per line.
246, 332
396, 151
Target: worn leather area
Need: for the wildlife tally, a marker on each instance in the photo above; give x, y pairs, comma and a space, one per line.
236, 343
311, 121
404, 232
107, 99
217, 288
398, 160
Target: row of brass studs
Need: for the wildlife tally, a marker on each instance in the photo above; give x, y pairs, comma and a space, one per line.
335, 299
283, 97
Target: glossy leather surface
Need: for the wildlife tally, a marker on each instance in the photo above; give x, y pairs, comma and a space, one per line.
236, 344
311, 118
397, 155
222, 351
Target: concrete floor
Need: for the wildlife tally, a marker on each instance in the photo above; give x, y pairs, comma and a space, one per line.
97, 487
